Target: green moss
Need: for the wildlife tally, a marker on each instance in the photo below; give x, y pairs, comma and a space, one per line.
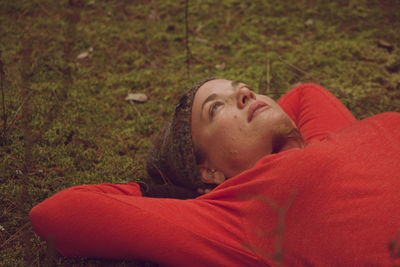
83, 131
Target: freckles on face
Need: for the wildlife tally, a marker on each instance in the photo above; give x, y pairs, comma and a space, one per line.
221, 126
223, 134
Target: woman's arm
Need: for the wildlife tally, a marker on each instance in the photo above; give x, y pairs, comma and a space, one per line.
315, 111
113, 221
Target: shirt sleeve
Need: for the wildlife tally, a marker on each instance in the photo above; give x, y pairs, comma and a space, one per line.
315, 111
115, 222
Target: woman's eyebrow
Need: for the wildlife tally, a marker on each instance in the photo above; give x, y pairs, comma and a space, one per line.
212, 97
235, 83
208, 99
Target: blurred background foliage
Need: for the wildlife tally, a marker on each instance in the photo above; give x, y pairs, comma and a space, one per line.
67, 66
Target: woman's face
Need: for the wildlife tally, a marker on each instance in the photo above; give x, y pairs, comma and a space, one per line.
234, 126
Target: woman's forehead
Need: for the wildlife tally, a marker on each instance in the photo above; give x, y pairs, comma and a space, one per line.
216, 86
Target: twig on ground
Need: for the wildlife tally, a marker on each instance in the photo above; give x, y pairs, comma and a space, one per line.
22, 15
188, 53
21, 209
2, 78
137, 111
15, 235
300, 70
268, 75
312, 77
47, 12
13, 120
265, 89
200, 60
12, 157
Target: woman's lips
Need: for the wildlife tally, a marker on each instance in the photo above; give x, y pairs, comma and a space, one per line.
256, 108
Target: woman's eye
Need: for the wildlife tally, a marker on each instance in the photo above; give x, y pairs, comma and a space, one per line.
214, 108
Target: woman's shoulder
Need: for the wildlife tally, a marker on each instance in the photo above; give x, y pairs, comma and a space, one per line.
387, 123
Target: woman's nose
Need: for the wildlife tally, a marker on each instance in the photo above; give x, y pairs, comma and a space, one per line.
244, 96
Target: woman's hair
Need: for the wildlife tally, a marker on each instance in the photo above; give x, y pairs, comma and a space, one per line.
173, 158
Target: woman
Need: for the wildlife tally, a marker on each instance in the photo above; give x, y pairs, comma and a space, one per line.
217, 145
301, 182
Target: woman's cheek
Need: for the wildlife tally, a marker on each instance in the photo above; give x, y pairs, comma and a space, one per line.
227, 121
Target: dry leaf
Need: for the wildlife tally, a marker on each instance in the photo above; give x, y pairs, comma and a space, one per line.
220, 66
384, 44
83, 55
309, 22
201, 40
137, 97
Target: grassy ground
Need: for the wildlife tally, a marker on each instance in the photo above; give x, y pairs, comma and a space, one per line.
64, 120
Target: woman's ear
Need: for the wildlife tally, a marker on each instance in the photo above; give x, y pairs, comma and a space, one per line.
210, 176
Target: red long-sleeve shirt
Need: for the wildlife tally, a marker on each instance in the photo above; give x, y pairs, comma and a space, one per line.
336, 202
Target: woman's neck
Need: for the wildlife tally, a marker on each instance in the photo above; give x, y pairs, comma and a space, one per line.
287, 141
